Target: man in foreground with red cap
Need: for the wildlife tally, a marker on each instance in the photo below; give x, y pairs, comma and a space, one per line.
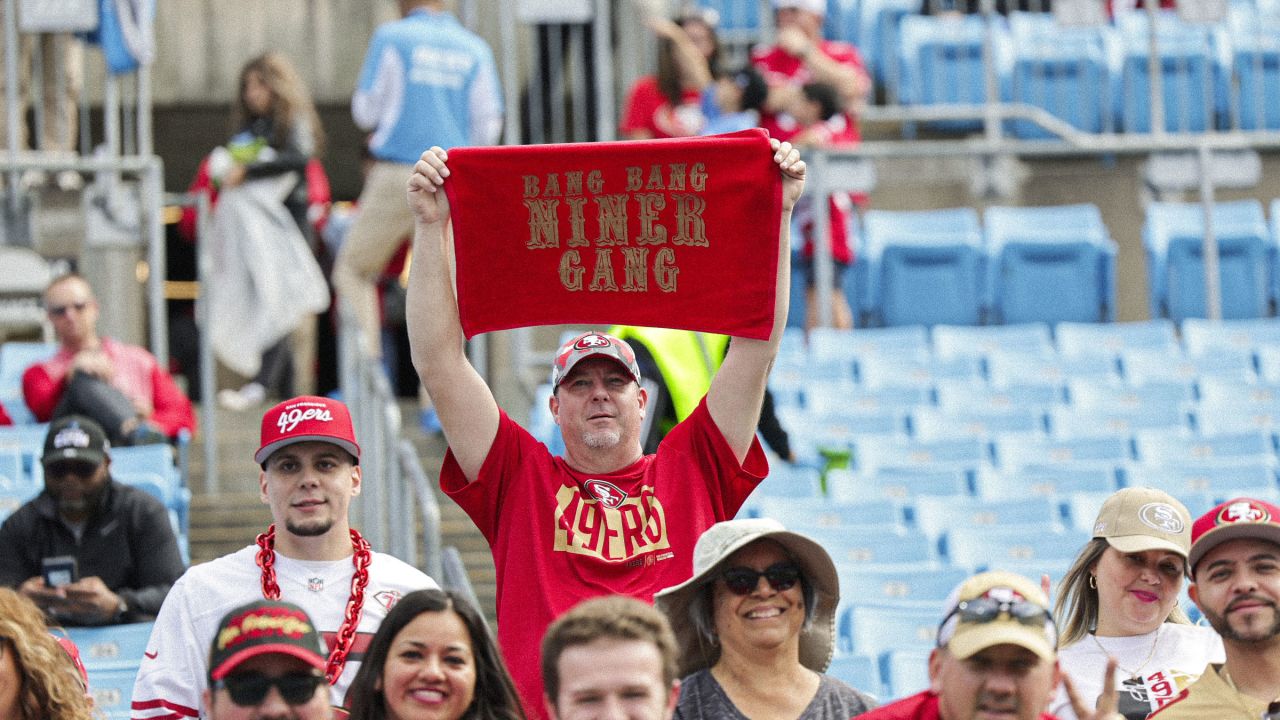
310, 556
267, 661
604, 518
1235, 574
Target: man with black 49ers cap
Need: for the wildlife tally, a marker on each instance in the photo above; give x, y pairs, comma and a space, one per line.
605, 518
310, 556
1235, 573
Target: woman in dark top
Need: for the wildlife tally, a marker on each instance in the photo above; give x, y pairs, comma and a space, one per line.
755, 626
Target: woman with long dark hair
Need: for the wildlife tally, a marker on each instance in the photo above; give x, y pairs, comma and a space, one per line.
433, 652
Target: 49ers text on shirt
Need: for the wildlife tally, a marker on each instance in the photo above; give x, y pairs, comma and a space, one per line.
605, 522
667, 203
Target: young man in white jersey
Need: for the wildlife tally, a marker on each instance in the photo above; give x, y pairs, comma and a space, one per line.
310, 556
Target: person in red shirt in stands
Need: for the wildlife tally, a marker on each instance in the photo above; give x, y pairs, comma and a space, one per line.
122, 387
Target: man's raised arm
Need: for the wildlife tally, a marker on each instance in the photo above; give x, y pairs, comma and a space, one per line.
738, 388
468, 413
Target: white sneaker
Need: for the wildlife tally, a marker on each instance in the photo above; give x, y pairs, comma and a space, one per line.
249, 396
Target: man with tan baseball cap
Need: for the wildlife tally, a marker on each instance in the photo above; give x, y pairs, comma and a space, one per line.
996, 656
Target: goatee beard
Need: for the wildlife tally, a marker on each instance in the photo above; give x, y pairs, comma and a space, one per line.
314, 529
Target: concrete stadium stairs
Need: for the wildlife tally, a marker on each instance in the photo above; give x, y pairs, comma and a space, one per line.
227, 520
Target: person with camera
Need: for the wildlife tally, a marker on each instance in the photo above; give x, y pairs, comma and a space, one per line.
89, 550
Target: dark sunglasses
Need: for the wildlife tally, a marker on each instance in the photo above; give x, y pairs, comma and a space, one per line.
60, 310
985, 610
247, 689
63, 468
743, 580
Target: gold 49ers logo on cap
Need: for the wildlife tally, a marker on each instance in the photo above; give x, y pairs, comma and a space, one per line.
1243, 512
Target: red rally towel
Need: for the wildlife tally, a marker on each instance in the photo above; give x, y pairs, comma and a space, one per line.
676, 233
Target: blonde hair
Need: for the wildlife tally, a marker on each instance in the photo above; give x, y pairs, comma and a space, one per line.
50, 686
1076, 608
291, 106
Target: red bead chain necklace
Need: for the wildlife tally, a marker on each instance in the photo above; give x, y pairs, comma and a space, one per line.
359, 581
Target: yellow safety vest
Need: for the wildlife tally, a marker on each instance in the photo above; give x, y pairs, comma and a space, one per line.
687, 360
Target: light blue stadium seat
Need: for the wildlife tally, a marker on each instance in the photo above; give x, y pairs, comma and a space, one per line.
736, 16
1201, 336
112, 692
898, 483
1231, 392
1214, 417
790, 377
1174, 447
1027, 395
873, 585
1226, 477
842, 21
922, 371
12, 499
1005, 369
111, 647
854, 546
924, 267
1032, 568
932, 424
979, 548
1165, 395
802, 515
1186, 62
1101, 421
1050, 264
789, 481
812, 435
1269, 364
904, 341
941, 57
861, 672
1173, 237
1013, 453
1075, 339
15, 357
823, 398
872, 454
1029, 338
1083, 508
906, 672
1255, 57
878, 36
935, 516
1058, 480
1147, 366
1068, 71
873, 629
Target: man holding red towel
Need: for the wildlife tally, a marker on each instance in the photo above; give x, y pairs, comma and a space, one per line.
604, 518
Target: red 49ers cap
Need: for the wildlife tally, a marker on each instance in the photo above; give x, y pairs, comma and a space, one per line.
305, 419
592, 344
1232, 520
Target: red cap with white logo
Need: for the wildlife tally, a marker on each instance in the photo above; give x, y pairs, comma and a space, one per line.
1234, 520
306, 419
592, 344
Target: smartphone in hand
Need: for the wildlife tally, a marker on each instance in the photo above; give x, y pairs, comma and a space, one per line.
61, 570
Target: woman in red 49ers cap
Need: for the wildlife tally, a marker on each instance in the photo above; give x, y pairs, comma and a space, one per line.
310, 556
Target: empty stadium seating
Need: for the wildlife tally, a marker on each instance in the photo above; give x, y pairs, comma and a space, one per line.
923, 268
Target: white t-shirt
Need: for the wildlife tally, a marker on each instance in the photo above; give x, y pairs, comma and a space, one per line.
175, 667
1181, 654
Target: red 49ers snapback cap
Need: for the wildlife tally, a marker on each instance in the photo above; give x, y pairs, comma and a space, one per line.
1232, 520
592, 344
306, 419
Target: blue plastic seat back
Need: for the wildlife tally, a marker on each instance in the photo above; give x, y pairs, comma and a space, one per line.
852, 546
909, 340
790, 481
924, 267
1013, 453
898, 483
1201, 336
936, 516
1186, 69
111, 647
1255, 40
1143, 367
1064, 70
931, 425
874, 454
1006, 369
1050, 264
1214, 417
1109, 339
15, 357
1050, 480
906, 672
803, 515
876, 585
1226, 477
1172, 447
1026, 395
1103, 421
980, 548
882, 370
1033, 338
861, 672
872, 629
1173, 238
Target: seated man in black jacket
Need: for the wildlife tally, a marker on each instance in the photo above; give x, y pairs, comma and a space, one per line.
125, 553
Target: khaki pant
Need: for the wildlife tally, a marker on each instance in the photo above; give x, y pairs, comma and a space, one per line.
62, 62
383, 223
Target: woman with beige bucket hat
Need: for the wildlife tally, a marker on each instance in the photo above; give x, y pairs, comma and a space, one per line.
756, 626
1119, 600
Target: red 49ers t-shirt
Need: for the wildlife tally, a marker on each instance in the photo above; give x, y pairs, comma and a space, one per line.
559, 536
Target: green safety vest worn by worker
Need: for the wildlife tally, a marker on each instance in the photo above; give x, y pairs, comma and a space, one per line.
687, 360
